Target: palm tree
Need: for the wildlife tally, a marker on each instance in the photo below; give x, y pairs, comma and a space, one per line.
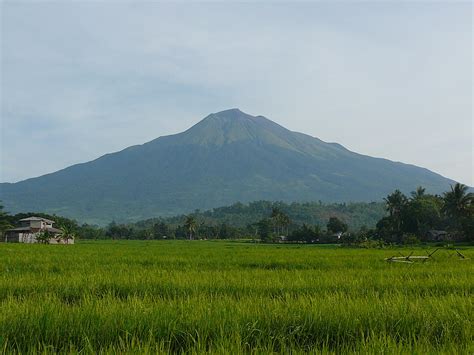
66, 234
4, 223
190, 225
458, 201
285, 222
276, 218
418, 193
44, 237
395, 202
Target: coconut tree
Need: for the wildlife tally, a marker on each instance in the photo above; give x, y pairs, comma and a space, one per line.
4, 222
67, 233
458, 202
190, 225
285, 221
395, 203
44, 237
276, 218
418, 193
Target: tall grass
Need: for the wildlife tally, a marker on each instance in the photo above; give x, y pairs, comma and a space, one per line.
216, 297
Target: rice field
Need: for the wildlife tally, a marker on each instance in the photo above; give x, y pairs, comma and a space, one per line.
228, 297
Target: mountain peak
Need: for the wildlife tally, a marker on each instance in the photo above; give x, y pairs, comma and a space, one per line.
231, 114
233, 125
230, 111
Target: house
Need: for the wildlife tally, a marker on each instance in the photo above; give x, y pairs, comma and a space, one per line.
30, 228
437, 235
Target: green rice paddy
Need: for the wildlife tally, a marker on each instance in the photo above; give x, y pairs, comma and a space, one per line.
228, 297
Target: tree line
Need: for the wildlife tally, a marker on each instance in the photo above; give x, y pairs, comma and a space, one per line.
408, 219
420, 217
423, 215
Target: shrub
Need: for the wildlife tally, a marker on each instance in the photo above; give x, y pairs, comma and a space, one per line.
410, 239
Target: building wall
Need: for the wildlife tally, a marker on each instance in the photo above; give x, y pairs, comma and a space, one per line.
27, 237
36, 224
11, 238
30, 238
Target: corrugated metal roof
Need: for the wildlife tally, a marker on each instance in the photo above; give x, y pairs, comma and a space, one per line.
28, 229
33, 218
19, 229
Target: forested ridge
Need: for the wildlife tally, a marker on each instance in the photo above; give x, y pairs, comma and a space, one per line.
240, 215
399, 219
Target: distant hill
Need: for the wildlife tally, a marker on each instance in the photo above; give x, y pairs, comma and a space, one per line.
241, 215
227, 157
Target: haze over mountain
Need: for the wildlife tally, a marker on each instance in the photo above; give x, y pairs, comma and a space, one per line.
227, 157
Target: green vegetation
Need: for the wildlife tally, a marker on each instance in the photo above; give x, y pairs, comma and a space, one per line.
410, 220
230, 222
416, 216
401, 220
230, 297
5, 221
44, 237
241, 218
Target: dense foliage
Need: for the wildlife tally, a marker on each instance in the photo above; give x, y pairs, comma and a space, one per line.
245, 220
401, 219
235, 221
426, 216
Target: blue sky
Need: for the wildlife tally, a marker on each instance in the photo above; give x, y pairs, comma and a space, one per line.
390, 79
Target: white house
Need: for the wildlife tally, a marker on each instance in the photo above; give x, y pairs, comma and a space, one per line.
30, 228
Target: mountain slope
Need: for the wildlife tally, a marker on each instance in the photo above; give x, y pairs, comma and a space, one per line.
227, 157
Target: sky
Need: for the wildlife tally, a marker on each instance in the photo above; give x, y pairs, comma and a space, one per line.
80, 79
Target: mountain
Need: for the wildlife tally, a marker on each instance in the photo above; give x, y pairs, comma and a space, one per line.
227, 157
